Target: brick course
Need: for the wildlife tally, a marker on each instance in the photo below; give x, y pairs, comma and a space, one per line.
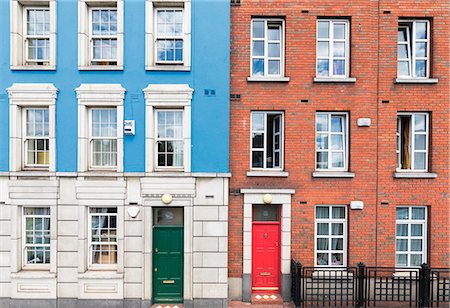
372, 150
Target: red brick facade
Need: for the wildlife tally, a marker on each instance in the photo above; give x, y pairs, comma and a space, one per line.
372, 150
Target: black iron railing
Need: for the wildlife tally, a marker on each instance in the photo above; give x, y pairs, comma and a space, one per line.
363, 286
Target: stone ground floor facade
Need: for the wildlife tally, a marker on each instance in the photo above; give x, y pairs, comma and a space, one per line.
91, 240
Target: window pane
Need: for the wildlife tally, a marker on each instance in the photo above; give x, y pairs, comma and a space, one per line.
323, 29
258, 140
401, 259
337, 229
258, 29
257, 159
337, 160
402, 52
337, 142
258, 121
321, 122
322, 160
419, 161
322, 244
168, 216
338, 67
416, 230
339, 49
274, 67
421, 30
416, 259
322, 49
339, 31
322, 259
420, 142
274, 50
273, 32
265, 213
416, 245
418, 213
338, 212
322, 68
421, 49
322, 141
402, 213
403, 68
337, 259
322, 212
402, 230
402, 245
419, 123
322, 229
258, 48
402, 34
421, 68
337, 244
258, 67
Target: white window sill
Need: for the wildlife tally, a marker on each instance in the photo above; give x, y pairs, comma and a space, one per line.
417, 80
101, 68
32, 173
33, 274
33, 68
415, 175
268, 173
333, 174
100, 274
334, 79
268, 79
162, 67
105, 173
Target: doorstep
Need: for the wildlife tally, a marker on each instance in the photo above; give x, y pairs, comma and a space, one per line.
167, 306
266, 299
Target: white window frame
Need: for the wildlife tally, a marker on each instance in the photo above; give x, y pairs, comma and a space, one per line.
266, 113
167, 96
85, 42
92, 138
19, 36
330, 221
25, 265
156, 111
151, 63
27, 36
21, 97
93, 36
174, 37
98, 96
25, 164
412, 151
345, 144
410, 222
92, 265
331, 41
411, 42
266, 49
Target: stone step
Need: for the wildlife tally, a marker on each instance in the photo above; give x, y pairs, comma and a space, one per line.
167, 306
266, 299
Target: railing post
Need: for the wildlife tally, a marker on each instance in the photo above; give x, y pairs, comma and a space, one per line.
360, 284
424, 285
300, 283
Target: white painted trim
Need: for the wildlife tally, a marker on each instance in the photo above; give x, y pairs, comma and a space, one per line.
98, 95
21, 96
84, 36
18, 35
150, 34
281, 197
162, 96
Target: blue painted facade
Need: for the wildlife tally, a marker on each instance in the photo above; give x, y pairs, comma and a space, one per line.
210, 24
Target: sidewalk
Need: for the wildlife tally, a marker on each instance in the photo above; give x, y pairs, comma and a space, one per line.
239, 304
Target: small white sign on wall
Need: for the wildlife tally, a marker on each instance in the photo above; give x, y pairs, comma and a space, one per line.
356, 205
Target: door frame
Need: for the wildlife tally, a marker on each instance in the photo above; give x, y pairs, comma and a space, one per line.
281, 197
272, 223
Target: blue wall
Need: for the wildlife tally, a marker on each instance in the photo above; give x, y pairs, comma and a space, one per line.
209, 70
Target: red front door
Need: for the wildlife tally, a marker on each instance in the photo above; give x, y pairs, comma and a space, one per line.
266, 257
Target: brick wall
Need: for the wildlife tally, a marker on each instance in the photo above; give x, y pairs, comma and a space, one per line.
372, 150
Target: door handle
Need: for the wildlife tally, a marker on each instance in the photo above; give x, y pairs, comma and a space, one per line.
276, 244
155, 269
156, 250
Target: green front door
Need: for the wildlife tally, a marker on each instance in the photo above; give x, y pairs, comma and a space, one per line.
168, 242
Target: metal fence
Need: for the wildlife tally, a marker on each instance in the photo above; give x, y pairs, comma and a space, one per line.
363, 286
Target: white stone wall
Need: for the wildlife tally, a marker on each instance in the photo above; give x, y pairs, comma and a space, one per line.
204, 199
